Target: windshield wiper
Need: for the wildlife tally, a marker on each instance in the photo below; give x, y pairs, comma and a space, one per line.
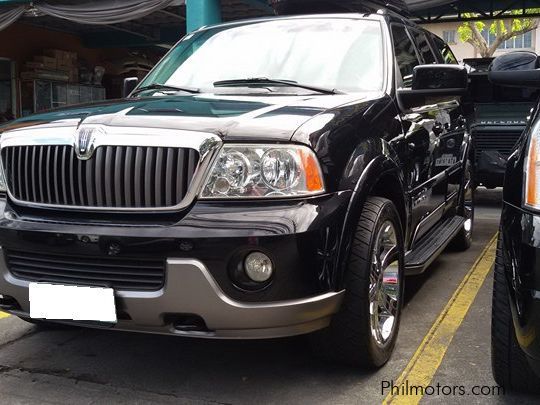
166, 87
265, 80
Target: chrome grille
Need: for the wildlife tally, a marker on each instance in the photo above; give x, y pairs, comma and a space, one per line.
115, 177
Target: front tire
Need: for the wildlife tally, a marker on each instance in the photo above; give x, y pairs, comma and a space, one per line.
511, 369
364, 331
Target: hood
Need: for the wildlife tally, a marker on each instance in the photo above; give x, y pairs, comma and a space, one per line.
265, 118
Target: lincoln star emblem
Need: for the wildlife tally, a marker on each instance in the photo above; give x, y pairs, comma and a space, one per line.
84, 145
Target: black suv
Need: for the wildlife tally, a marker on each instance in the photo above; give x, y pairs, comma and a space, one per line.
499, 119
268, 178
516, 291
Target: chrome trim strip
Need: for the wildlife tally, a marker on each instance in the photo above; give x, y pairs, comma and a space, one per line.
426, 219
207, 144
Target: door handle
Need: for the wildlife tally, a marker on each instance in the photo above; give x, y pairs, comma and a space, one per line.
411, 146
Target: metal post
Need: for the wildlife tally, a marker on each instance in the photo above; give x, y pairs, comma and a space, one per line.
202, 12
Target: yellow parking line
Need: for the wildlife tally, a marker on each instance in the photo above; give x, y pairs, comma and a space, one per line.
3, 315
427, 359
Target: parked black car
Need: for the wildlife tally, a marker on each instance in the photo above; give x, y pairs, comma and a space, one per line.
516, 290
498, 119
270, 177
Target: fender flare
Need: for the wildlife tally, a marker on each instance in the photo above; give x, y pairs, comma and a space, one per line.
381, 166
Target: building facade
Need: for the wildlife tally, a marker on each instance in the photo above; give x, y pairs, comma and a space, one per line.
449, 32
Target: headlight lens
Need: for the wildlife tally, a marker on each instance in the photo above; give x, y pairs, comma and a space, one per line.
264, 171
532, 170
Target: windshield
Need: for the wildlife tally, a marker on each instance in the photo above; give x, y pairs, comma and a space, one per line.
334, 53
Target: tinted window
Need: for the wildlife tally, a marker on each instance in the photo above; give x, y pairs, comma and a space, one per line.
405, 54
423, 47
446, 52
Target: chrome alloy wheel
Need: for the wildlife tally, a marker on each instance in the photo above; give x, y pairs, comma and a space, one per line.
384, 286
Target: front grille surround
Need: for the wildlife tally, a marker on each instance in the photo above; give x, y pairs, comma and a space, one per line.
115, 177
140, 274
201, 147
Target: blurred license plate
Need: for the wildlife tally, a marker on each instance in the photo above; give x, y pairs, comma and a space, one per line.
61, 302
446, 160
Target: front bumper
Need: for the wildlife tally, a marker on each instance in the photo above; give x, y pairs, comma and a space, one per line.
191, 290
302, 237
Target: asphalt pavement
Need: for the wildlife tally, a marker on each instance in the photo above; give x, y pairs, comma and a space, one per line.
80, 366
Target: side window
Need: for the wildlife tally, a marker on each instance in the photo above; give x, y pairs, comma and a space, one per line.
423, 47
446, 52
406, 57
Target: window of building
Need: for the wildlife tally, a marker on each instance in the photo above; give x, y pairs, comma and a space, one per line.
518, 42
450, 37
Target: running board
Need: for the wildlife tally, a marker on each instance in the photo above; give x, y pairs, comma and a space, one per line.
432, 245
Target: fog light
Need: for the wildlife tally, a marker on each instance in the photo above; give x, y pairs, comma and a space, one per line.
258, 267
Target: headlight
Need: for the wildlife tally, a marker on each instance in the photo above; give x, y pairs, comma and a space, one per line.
532, 170
264, 171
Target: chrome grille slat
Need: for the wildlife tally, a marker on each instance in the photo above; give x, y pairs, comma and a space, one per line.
34, 177
109, 194
27, 185
64, 182
148, 177
47, 164
114, 177
180, 169
118, 176
56, 179
158, 178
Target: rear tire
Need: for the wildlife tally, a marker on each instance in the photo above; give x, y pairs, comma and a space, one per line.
509, 363
364, 331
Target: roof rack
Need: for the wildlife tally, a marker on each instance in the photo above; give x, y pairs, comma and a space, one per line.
285, 7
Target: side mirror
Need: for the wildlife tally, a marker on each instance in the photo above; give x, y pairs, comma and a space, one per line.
129, 85
434, 84
515, 69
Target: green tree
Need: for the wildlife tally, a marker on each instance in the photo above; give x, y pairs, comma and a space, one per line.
503, 30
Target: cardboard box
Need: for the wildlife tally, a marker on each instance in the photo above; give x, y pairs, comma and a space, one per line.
74, 75
34, 65
64, 65
54, 53
61, 55
48, 62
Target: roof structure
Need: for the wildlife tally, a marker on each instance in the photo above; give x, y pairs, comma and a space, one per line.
457, 10
164, 27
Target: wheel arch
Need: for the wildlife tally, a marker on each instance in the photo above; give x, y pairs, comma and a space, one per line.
382, 177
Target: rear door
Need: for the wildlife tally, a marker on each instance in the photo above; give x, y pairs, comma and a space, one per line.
453, 142
440, 158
